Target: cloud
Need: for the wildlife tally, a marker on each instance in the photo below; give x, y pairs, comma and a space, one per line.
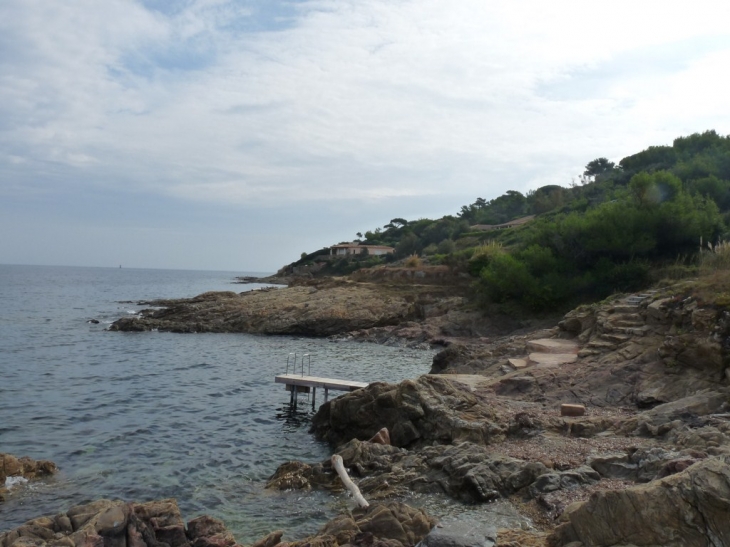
193, 103
262, 103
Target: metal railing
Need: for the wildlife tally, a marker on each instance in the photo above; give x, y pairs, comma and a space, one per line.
291, 359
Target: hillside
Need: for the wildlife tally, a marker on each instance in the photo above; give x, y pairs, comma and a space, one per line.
619, 228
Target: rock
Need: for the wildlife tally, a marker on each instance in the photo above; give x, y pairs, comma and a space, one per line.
333, 309
12, 466
292, 475
552, 359
390, 524
518, 363
517, 385
445, 359
106, 523
274, 538
572, 410
549, 482
461, 534
662, 418
381, 437
614, 466
394, 520
343, 528
113, 521
466, 471
579, 321
475, 474
80, 515
688, 508
205, 526
422, 411
552, 345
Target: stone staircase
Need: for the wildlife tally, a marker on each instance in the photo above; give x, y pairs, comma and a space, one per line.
614, 328
618, 325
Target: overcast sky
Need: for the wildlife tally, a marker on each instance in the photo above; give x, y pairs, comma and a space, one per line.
233, 135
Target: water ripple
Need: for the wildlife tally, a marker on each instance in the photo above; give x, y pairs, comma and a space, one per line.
141, 416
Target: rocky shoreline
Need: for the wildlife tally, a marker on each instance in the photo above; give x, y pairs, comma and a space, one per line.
611, 428
649, 374
394, 311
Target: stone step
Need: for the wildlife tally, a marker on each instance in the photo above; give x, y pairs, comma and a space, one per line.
626, 308
552, 345
587, 352
518, 363
601, 344
628, 323
634, 331
552, 359
616, 338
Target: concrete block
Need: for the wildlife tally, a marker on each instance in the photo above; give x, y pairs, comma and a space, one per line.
572, 410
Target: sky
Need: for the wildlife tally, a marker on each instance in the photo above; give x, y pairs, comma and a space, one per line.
235, 135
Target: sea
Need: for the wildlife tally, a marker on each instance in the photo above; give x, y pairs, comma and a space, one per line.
152, 415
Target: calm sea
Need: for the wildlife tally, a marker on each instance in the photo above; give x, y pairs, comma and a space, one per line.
142, 416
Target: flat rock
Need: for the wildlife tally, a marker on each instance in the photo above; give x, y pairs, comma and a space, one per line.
552, 359
518, 363
471, 380
461, 534
552, 345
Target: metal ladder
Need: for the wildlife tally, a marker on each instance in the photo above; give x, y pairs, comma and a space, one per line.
291, 359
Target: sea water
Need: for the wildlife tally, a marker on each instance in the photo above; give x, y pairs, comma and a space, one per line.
151, 415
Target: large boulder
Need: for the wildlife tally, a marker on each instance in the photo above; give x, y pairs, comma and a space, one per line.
390, 524
430, 409
688, 508
23, 468
107, 523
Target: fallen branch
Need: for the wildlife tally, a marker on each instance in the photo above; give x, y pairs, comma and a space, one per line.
345, 478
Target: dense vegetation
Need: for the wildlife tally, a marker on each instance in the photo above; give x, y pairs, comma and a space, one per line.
606, 233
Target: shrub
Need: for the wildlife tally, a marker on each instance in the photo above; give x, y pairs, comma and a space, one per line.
482, 256
413, 261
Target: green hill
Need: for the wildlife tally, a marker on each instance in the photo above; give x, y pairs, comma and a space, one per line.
617, 229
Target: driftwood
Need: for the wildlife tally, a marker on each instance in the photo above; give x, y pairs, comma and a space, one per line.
345, 478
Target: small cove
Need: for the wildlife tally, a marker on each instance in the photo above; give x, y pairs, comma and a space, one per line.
141, 416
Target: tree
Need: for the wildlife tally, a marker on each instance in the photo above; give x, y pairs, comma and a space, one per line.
396, 223
653, 158
598, 166
407, 246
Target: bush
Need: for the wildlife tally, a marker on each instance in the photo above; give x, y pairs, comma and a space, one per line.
625, 277
482, 256
413, 261
505, 278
